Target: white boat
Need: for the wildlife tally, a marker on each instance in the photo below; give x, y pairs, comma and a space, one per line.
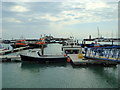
72, 47
73, 51
5, 47
1, 47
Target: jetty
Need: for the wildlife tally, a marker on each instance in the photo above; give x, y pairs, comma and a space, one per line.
75, 60
13, 50
76, 56
8, 58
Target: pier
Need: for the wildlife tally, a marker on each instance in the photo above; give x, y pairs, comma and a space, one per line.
7, 58
13, 50
83, 61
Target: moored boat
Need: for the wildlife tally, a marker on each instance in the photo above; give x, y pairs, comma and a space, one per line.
73, 50
44, 58
71, 47
1, 47
19, 43
38, 44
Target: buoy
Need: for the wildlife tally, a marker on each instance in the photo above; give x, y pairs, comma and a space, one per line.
80, 55
64, 54
68, 59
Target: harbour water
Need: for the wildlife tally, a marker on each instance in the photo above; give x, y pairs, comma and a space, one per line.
33, 75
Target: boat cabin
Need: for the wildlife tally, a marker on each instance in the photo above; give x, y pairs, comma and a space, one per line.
72, 47
71, 42
74, 50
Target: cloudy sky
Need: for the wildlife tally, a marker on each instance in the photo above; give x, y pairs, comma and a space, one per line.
60, 19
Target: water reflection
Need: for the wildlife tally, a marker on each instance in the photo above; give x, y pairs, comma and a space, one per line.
36, 67
109, 75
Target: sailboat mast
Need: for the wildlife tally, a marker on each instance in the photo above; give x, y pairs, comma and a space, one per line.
98, 32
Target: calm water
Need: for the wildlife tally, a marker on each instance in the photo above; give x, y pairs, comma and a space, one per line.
32, 75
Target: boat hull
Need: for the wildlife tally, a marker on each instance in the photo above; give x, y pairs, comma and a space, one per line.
37, 46
43, 59
17, 46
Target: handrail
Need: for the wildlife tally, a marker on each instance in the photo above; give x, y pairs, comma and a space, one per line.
107, 53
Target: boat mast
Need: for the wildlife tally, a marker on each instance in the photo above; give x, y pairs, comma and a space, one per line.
98, 32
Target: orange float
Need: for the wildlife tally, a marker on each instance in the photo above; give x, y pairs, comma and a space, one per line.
20, 44
68, 59
64, 54
40, 43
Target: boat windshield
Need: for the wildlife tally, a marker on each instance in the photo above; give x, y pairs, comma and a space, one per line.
72, 51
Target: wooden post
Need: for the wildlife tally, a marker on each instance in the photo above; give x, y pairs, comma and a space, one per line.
42, 50
112, 42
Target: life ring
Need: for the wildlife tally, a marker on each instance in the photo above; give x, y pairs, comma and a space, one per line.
68, 59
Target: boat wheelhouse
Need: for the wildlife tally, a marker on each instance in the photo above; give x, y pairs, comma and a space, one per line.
72, 47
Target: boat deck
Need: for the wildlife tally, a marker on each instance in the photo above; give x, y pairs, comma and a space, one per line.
75, 59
